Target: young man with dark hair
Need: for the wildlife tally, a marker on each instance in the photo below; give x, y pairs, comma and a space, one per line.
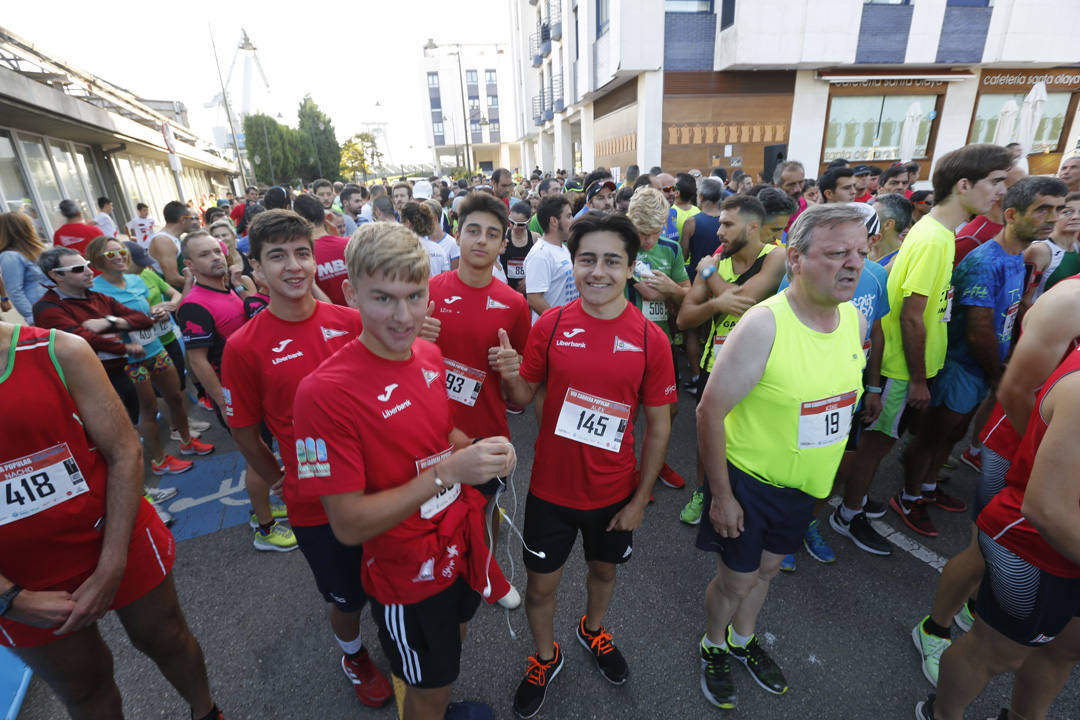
352, 199
779, 208
141, 228
837, 185
549, 279
425, 561
599, 197
164, 245
894, 180
862, 183
686, 187
583, 477
104, 219
263, 364
874, 181
401, 194
329, 249
251, 197
598, 177
502, 183
323, 190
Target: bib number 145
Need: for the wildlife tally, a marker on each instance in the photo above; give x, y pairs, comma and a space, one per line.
592, 420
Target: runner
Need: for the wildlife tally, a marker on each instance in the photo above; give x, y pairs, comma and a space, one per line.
164, 246
104, 220
425, 559
471, 307
549, 277
1055, 257
329, 249
141, 228
74, 233
699, 239
765, 468
583, 475
894, 211
519, 241
207, 317
264, 361
76, 540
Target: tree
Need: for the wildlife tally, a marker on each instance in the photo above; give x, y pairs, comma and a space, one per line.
274, 154
320, 154
354, 159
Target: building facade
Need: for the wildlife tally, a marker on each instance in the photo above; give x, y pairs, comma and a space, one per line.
472, 120
743, 84
67, 134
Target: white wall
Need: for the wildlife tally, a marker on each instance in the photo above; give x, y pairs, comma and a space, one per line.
927, 17
650, 114
785, 33
808, 109
955, 120
1033, 31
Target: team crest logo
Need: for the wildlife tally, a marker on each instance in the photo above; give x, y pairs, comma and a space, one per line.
493, 304
623, 346
329, 334
430, 376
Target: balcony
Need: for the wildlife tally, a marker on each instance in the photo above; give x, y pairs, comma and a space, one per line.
545, 40
558, 97
555, 18
534, 50
538, 109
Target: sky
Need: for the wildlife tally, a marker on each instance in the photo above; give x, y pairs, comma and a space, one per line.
347, 56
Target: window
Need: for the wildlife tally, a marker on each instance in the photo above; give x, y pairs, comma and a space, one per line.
489, 77
41, 175
470, 77
433, 79
69, 176
474, 105
1047, 134
688, 6
869, 127
886, 2
493, 101
727, 14
493, 130
13, 187
474, 127
437, 128
575, 31
436, 102
603, 16
969, 3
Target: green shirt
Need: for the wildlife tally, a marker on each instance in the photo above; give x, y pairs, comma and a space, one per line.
665, 256
158, 290
534, 225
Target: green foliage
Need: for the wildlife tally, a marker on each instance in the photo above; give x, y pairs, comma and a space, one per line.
283, 155
359, 155
320, 152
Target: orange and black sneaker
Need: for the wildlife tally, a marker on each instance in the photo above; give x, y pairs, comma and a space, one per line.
530, 694
609, 660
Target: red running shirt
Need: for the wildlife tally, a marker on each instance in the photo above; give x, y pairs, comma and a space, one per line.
264, 362
75, 236
52, 480
471, 318
597, 372
1002, 518
330, 266
980, 230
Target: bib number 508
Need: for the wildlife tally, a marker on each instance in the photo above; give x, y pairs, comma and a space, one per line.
592, 424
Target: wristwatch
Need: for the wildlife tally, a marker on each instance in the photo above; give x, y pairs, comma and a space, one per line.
708, 272
113, 320
7, 598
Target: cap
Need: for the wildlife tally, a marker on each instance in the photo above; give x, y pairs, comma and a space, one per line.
421, 189
138, 253
276, 198
861, 170
597, 186
571, 186
870, 217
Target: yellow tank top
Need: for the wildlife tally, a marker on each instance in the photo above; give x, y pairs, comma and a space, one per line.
791, 429
723, 324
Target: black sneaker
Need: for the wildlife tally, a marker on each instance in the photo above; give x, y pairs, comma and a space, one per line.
609, 660
532, 690
875, 510
924, 709
859, 532
716, 682
762, 668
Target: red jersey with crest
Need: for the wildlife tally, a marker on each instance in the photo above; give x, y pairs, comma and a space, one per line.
597, 372
471, 318
264, 362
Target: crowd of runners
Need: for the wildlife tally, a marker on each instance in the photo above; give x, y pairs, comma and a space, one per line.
364, 345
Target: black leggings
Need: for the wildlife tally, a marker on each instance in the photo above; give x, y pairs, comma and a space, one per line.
126, 390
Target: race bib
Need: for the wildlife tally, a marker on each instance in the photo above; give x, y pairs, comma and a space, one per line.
163, 326
145, 336
1010, 321
463, 383
446, 497
37, 482
947, 316
827, 421
515, 269
592, 420
654, 310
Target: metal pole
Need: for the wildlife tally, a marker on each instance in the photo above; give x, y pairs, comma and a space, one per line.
228, 110
464, 113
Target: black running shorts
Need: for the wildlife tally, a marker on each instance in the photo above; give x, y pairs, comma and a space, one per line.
552, 530
336, 567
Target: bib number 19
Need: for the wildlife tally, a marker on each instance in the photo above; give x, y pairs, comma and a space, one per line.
832, 422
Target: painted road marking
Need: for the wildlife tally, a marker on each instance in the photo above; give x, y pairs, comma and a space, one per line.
902, 541
211, 496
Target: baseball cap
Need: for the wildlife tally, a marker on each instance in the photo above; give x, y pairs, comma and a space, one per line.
138, 254
597, 186
861, 170
422, 189
870, 217
571, 186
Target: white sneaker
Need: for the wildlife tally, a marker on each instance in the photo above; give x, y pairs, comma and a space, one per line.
199, 426
159, 494
174, 434
511, 600
165, 515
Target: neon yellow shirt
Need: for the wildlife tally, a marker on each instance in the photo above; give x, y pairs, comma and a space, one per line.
681, 215
923, 266
722, 324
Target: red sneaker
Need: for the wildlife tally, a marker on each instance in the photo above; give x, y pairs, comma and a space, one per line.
195, 447
914, 514
170, 466
941, 499
972, 460
671, 478
371, 686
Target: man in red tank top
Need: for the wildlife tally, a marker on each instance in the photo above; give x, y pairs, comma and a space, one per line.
76, 539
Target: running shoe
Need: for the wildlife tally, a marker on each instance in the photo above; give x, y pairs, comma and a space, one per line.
199, 426
214, 714
944, 501
371, 686
951, 463
196, 447
964, 619
159, 494
860, 532
788, 563
972, 460
205, 404
763, 668
511, 600
924, 709
469, 710
532, 690
914, 514
164, 515
277, 539
691, 512
277, 512
930, 648
717, 684
875, 510
816, 545
690, 384
170, 466
609, 660
174, 434
671, 478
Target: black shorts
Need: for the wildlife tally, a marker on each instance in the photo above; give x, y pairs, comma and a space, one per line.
336, 567
552, 530
422, 641
774, 519
675, 364
702, 379
1025, 604
492, 486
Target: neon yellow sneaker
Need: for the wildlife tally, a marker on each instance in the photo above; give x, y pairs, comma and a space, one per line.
930, 648
278, 538
277, 512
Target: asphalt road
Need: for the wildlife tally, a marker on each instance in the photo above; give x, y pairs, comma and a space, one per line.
841, 632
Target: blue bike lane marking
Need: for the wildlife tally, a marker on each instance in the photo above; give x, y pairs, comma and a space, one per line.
211, 496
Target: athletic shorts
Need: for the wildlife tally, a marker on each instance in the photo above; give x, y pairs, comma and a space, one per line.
991, 479
552, 529
142, 370
492, 486
896, 415
958, 389
336, 567
702, 380
151, 553
675, 364
774, 519
1025, 604
422, 641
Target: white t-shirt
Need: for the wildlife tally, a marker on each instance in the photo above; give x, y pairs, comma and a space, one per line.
549, 270
450, 247
106, 223
141, 229
440, 263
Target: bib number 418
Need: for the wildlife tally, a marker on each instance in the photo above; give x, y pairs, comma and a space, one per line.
34, 487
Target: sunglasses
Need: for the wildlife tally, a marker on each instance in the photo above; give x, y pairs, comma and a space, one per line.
77, 269
111, 254
669, 188
523, 223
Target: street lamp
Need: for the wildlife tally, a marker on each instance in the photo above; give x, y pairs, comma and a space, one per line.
431, 45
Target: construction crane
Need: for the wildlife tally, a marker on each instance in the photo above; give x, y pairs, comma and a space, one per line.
250, 56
